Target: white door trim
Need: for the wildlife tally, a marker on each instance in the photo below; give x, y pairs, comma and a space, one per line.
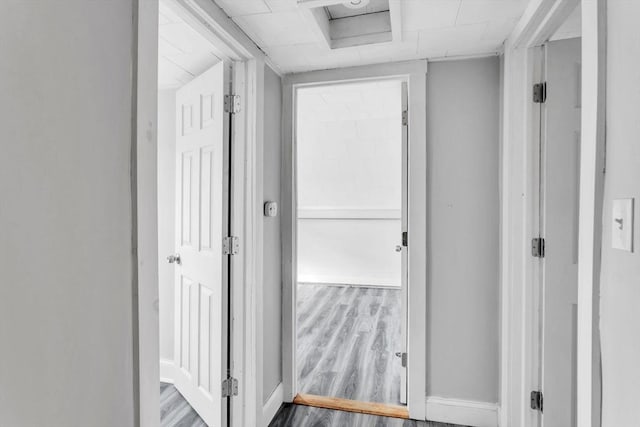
414, 72
519, 275
248, 61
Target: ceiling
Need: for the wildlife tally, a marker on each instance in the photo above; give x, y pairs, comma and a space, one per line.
183, 53
338, 11
572, 27
428, 28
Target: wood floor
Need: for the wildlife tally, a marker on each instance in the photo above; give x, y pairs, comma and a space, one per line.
347, 337
291, 415
175, 411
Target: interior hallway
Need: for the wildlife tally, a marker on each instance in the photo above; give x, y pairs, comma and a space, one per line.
347, 337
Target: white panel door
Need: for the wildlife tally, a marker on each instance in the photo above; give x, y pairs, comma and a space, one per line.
561, 154
201, 223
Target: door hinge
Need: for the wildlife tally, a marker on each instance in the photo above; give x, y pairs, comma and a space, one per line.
536, 400
232, 104
539, 93
230, 387
537, 247
403, 358
230, 245
405, 117
405, 239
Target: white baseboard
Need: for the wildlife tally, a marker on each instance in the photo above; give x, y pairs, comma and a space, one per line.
270, 409
463, 412
167, 371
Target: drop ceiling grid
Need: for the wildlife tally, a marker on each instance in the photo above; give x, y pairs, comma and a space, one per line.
430, 28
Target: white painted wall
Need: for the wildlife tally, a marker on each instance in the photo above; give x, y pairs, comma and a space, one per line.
166, 216
272, 245
620, 279
65, 218
349, 183
463, 301
348, 251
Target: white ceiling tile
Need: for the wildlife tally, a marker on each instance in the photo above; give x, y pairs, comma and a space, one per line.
185, 38
428, 14
195, 63
235, 8
171, 75
163, 19
289, 58
282, 5
183, 53
476, 11
388, 52
499, 30
166, 48
277, 29
167, 14
572, 27
463, 37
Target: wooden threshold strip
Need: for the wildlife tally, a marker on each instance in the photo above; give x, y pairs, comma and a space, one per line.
349, 405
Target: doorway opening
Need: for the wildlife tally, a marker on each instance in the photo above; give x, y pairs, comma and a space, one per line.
351, 216
559, 117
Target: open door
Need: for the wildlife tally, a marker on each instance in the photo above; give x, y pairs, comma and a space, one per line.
560, 198
201, 269
404, 247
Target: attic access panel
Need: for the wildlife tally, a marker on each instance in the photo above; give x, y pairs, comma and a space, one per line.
356, 8
348, 23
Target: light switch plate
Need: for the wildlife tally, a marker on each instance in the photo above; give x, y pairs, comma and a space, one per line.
622, 225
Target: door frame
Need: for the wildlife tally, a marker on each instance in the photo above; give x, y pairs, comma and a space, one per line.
414, 73
520, 273
246, 199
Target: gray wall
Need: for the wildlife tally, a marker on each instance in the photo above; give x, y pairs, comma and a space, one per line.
166, 216
620, 278
463, 292
65, 216
272, 285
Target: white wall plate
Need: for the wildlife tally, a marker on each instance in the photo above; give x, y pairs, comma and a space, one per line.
622, 225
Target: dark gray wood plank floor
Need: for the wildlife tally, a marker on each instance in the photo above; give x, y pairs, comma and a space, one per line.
347, 337
291, 415
175, 411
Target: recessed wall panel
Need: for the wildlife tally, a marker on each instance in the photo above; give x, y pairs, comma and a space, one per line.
207, 110
187, 198
206, 198
204, 353
186, 286
188, 124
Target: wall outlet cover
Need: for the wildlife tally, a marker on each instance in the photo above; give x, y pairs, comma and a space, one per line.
622, 225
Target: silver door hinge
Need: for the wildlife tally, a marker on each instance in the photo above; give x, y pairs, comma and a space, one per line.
537, 247
232, 104
403, 358
230, 387
230, 245
405, 118
537, 400
539, 93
